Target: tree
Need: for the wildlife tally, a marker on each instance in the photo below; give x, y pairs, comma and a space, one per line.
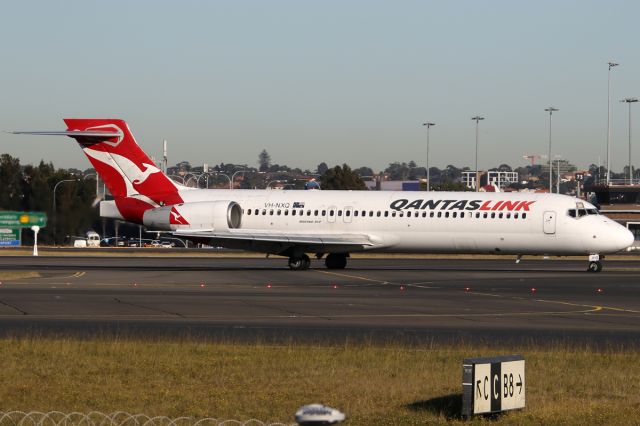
341, 178
364, 171
264, 160
322, 168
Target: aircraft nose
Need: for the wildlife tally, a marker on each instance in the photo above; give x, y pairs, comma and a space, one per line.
626, 238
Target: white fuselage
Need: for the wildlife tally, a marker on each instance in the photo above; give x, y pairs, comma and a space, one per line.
465, 222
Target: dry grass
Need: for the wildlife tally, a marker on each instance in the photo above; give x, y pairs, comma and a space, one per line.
17, 275
374, 385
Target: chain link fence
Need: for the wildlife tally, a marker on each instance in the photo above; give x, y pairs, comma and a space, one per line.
119, 418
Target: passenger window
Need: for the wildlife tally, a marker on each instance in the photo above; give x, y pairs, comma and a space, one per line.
401, 214
499, 215
293, 212
455, 214
431, 214
424, 214
348, 213
493, 215
339, 212
324, 212
264, 212
439, 214
270, 212
248, 212
308, 212
446, 214
256, 212
371, 213
286, 212
408, 214
355, 213
524, 215
364, 213
515, 215
393, 214
315, 212
279, 212
485, 215
385, 214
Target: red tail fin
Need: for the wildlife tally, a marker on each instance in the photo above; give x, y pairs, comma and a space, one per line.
122, 164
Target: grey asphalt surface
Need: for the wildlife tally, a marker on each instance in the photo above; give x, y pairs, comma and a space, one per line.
493, 302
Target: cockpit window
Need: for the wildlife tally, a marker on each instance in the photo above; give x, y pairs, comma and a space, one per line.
581, 212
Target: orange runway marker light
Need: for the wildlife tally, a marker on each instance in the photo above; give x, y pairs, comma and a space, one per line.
467, 289
202, 285
599, 290
533, 289
269, 285
335, 286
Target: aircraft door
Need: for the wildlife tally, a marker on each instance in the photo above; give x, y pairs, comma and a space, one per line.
332, 214
549, 222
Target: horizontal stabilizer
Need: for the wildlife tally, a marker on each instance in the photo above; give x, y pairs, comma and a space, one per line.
75, 133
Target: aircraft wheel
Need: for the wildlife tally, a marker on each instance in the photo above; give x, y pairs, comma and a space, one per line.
595, 266
299, 263
336, 261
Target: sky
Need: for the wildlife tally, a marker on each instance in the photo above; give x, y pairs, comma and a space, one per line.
333, 81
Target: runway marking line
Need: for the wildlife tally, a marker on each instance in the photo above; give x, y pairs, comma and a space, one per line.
599, 307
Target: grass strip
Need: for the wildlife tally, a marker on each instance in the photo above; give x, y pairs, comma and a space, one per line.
372, 384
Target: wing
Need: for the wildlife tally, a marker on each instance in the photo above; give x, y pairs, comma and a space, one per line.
279, 242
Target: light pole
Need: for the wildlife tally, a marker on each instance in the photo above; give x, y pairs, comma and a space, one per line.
558, 158
477, 119
233, 176
611, 65
55, 215
428, 177
630, 101
550, 111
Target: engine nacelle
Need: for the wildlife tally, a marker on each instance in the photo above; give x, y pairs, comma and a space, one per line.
217, 215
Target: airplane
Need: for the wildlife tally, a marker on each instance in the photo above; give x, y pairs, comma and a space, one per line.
333, 224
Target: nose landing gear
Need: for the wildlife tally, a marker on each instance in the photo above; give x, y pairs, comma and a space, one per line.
595, 265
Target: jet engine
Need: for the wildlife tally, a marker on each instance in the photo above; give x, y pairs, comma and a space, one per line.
215, 215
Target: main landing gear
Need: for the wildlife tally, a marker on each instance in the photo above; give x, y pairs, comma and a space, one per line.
336, 260
595, 265
332, 261
299, 263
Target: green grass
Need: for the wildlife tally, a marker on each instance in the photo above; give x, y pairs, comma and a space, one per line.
373, 385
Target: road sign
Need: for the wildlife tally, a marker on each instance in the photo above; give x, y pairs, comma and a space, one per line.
9, 237
22, 219
492, 385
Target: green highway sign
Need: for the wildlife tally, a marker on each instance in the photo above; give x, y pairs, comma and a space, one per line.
9, 237
22, 219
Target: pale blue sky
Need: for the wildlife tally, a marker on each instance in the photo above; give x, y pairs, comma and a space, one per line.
333, 81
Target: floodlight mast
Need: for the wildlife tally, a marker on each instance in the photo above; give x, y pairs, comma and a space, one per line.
550, 110
428, 176
477, 119
629, 101
611, 65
